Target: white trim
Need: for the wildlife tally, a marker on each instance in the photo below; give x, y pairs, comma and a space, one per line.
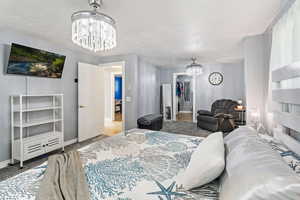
69, 142
185, 111
122, 64
174, 95
5, 163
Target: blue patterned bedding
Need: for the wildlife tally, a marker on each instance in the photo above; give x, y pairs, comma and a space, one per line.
140, 166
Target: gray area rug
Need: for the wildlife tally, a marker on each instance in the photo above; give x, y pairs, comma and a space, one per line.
184, 128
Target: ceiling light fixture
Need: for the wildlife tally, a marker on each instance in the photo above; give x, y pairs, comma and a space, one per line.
94, 30
194, 69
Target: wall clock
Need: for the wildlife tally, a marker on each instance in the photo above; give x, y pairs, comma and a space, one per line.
215, 78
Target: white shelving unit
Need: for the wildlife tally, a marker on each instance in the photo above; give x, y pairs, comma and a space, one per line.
28, 114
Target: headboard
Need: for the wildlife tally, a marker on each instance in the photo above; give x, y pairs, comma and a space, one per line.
286, 103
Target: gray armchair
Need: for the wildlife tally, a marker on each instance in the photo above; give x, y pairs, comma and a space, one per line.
221, 117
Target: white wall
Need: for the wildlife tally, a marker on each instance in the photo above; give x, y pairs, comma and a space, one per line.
233, 86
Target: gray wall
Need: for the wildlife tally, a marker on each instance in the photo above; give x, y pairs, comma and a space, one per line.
17, 84
149, 88
233, 86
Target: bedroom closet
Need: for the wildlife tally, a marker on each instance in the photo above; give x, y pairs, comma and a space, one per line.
183, 99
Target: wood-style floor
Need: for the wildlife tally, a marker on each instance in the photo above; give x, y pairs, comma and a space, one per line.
184, 117
114, 127
118, 116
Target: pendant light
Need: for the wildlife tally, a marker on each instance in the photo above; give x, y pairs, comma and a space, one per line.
194, 69
93, 30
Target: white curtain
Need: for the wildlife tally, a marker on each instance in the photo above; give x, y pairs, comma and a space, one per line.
285, 51
285, 39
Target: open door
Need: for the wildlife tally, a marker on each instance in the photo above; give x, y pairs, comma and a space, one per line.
90, 101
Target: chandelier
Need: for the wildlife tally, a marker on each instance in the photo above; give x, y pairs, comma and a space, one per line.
194, 69
94, 30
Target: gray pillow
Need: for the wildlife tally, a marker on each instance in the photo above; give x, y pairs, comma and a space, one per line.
254, 171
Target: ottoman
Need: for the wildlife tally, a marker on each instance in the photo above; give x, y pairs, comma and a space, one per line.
151, 122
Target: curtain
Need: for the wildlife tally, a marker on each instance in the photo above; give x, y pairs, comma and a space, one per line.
285, 51
286, 39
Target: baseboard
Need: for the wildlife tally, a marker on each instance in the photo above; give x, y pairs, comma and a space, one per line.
5, 163
69, 142
108, 120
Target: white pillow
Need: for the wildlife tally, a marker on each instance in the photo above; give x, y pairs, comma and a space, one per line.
207, 163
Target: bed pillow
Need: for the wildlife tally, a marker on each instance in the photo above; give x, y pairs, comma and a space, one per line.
255, 171
206, 164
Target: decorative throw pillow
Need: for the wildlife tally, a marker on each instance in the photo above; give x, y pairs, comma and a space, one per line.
206, 164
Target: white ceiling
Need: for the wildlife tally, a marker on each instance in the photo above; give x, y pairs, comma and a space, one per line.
165, 31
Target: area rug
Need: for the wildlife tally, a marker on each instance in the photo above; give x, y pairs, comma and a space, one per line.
184, 128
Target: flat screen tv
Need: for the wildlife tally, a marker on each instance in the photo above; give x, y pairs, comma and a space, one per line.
29, 61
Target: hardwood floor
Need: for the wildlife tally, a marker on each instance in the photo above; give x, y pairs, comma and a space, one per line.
118, 116
112, 128
185, 117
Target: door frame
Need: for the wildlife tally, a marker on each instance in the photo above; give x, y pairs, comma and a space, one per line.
175, 75
122, 64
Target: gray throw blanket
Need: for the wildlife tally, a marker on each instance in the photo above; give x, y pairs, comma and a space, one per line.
64, 179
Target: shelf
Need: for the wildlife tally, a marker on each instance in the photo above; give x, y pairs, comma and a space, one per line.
38, 136
31, 145
36, 123
38, 109
37, 95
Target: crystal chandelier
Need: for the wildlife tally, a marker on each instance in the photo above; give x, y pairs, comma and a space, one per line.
194, 69
94, 30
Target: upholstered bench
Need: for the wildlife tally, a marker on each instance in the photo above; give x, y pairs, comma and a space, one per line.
152, 122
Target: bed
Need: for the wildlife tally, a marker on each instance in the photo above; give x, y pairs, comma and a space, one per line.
141, 165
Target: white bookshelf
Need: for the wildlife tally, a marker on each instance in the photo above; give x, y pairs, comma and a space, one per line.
28, 114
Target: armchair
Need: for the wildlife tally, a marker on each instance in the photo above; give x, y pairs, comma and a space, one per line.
221, 117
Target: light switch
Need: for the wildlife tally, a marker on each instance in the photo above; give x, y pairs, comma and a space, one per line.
128, 99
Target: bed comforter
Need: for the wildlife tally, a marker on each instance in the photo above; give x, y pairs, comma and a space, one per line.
139, 166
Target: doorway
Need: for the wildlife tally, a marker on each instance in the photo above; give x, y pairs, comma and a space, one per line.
113, 98
183, 97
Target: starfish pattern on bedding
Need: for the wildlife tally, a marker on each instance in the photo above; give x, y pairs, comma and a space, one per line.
167, 192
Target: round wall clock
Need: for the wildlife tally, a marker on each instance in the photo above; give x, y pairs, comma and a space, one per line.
215, 78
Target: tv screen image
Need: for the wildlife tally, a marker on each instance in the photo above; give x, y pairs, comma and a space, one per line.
29, 61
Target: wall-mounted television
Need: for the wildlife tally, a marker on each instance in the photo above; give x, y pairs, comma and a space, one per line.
29, 61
